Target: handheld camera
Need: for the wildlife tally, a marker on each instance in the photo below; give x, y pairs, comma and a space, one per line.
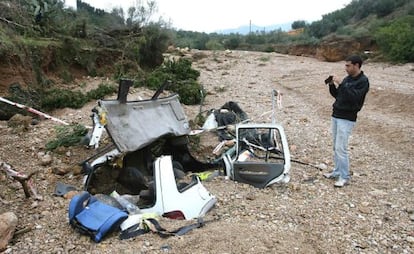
329, 80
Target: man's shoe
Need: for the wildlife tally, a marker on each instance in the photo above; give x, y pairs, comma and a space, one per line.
341, 182
330, 175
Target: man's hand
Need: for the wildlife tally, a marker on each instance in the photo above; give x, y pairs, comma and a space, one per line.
336, 80
329, 80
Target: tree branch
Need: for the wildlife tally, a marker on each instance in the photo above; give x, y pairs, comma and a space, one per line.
23, 179
11, 22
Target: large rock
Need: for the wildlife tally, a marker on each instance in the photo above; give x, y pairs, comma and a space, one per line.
19, 122
8, 223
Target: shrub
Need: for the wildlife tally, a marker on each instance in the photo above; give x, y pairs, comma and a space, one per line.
190, 92
213, 44
183, 80
66, 76
233, 41
67, 135
396, 40
101, 91
28, 97
156, 79
59, 98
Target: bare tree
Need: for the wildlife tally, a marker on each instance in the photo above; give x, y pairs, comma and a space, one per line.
140, 14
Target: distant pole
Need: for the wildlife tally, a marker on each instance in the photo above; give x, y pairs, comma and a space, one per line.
250, 27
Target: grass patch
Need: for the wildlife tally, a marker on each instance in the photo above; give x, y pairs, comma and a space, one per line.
220, 89
264, 59
67, 135
29, 41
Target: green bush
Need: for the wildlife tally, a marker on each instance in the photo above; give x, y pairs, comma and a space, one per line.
396, 40
66, 76
298, 24
29, 97
183, 80
67, 135
181, 69
59, 98
190, 92
233, 41
126, 69
213, 44
157, 79
101, 91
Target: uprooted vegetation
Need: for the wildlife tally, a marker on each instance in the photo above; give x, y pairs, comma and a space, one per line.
51, 54
48, 54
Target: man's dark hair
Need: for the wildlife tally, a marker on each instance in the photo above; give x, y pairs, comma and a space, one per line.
354, 59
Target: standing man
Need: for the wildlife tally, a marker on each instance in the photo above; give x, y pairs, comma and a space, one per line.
349, 98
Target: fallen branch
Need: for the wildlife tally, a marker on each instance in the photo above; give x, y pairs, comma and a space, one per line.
22, 231
306, 164
23, 179
11, 22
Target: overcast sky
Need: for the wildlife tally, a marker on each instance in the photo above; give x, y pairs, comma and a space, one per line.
214, 15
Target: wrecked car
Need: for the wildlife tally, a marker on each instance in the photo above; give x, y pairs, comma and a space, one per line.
150, 156
260, 154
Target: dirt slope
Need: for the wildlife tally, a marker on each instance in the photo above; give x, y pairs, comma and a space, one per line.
372, 215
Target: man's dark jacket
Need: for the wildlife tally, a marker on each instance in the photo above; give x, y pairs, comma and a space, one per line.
349, 96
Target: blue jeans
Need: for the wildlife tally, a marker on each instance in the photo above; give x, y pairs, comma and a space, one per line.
341, 131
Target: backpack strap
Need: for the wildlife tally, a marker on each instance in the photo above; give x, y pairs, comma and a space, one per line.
152, 225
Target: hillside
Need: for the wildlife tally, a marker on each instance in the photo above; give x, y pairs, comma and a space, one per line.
65, 45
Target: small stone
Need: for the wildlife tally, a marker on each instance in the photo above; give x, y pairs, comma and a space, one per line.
60, 170
323, 166
46, 160
45, 213
70, 194
364, 210
166, 248
77, 170
294, 187
377, 192
60, 150
250, 196
40, 155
